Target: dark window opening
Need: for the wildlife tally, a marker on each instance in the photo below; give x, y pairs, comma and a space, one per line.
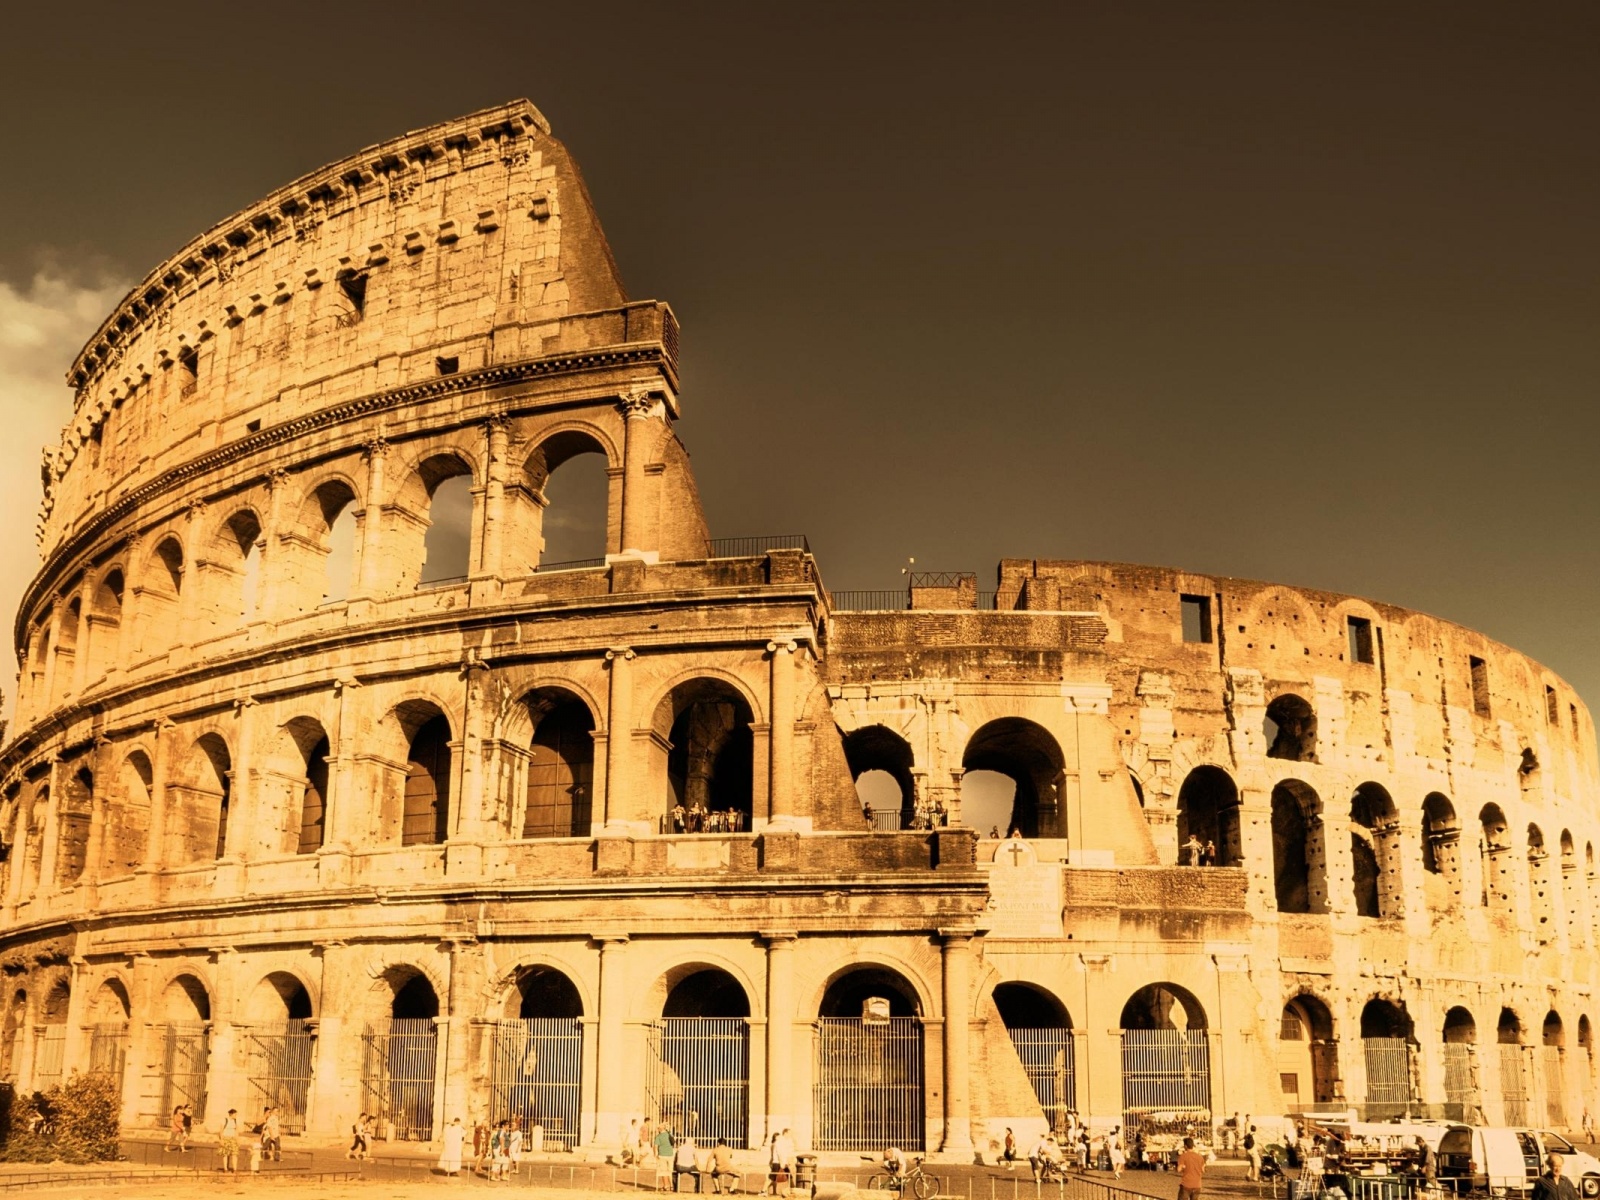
1196, 618
253, 426
1361, 640
188, 370
561, 774
354, 288
426, 817
1290, 729
1552, 705
1575, 733
1480, 686
448, 366
314, 806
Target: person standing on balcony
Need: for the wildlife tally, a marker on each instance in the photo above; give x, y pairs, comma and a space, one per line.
1191, 852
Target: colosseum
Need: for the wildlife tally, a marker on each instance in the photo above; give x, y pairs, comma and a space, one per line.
308, 804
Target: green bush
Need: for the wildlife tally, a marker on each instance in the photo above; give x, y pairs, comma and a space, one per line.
77, 1122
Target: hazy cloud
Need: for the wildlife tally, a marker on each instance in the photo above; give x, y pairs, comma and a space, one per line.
43, 325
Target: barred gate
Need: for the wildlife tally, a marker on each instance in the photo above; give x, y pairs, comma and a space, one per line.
49, 1052
397, 1064
697, 1077
185, 1057
1513, 1087
278, 1068
868, 1090
1046, 1056
537, 1074
108, 1051
1164, 1071
1555, 1087
1388, 1075
1458, 1086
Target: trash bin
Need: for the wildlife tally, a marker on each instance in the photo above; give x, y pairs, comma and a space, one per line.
805, 1171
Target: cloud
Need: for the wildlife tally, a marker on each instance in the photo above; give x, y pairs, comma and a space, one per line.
42, 327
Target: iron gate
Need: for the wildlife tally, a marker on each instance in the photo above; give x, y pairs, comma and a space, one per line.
537, 1075
185, 1057
1388, 1074
49, 1051
1513, 1089
697, 1080
1458, 1085
1046, 1056
278, 1067
868, 1090
1555, 1087
1165, 1071
108, 1051
397, 1065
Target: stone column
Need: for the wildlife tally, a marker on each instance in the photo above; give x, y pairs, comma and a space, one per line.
620, 804
466, 982
75, 1053
335, 1098
243, 836
191, 612
637, 409
957, 955
607, 1132
497, 437
80, 653
132, 590
99, 810
223, 1081
155, 848
141, 1004
46, 700
377, 452
271, 587
49, 838
780, 1031
780, 747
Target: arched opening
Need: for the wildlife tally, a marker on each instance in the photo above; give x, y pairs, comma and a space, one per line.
697, 1068
1540, 902
105, 624
425, 818
538, 1057
162, 582
33, 841
447, 544
1585, 1063
1308, 1056
1375, 852
869, 1064
198, 797
880, 762
398, 1055
1299, 858
241, 536
331, 518
1553, 1058
183, 1038
710, 760
1030, 757
1441, 841
560, 800
1166, 1060
1290, 729
1572, 891
66, 651
127, 818
73, 819
1513, 1070
1461, 1091
16, 1032
569, 484
1041, 1033
1494, 850
50, 1038
295, 790
1208, 816
109, 1014
277, 1048
1386, 1041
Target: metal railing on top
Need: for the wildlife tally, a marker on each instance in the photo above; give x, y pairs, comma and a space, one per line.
571, 564
885, 600
754, 547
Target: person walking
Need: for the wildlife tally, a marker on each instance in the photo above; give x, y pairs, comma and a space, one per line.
175, 1130
1252, 1150
272, 1135
358, 1139
1008, 1155
188, 1128
1116, 1152
228, 1143
1429, 1158
1553, 1185
1191, 1171
455, 1137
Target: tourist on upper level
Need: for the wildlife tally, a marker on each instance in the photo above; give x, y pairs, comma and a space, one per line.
1191, 851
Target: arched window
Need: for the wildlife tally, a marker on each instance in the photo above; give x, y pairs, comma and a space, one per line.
329, 519
1494, 848
400, 1056
1441, 840
569, 485
1166, 1057
1541, 902
198, 797
310, 830
66, 651
1299, 860
880, 762
1375, 852
105, 624
447, 545
72, 825
1291, 729
1308, 1057
560, 768
710, 760
1027, 755
158, 602
1208, 812
243, 531
1553, 1055
426, 818
126, 839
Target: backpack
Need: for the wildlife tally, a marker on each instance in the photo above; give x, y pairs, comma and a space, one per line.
1249, 1141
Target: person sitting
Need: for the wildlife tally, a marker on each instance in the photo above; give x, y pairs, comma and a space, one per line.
1044, 1158
722, 1167
685, 1163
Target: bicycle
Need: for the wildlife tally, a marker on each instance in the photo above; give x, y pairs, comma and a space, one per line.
922, 1185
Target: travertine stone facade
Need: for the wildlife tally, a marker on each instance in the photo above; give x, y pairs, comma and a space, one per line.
307, 804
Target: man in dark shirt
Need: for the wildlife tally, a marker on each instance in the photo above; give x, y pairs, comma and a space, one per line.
1553, 1185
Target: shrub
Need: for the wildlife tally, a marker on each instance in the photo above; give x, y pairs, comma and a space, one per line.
76, 1122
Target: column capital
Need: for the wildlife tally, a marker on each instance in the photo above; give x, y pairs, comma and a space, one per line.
622, 652
276, 478
779, 939
609, 941
375, 447
957, 938
639, 402
788, 647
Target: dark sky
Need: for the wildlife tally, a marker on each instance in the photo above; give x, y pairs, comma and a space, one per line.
1300, 292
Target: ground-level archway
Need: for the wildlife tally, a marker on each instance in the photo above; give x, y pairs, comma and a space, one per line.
1462, 1092
867, 1090
1514, 1107
1166, 1061
183, 1047
1308, 1056
697, 1061
1041, 1032
399, 1054
536, 1074
277, 1048
1387, 1043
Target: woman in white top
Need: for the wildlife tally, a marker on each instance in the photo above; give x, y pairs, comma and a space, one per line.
454, 1138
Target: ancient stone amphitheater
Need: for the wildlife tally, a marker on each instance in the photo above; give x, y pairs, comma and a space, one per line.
309, 804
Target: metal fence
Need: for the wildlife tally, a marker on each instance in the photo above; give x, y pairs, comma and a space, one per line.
868, 1092
1046, 1056
537, 1074
397, 1065
881, 600
108, 1051
1513, 1086
185, 1057
49, 1052
1388, 1063
1555, 1086
1164, 1071
755, 547
278, 1070
1459, 1087
697, 1080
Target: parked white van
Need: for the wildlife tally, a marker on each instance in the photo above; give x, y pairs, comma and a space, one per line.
1502, 1161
